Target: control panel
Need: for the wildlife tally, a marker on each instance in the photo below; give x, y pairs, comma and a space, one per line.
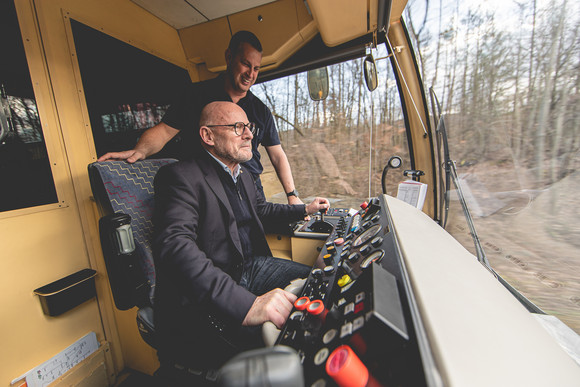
321, 225
354, 317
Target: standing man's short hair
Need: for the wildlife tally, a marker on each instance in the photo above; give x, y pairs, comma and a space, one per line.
244, 37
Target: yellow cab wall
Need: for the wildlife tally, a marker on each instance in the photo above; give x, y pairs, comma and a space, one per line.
417, 113
43, 244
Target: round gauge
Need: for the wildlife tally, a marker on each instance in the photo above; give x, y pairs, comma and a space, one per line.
368, 234
377, 256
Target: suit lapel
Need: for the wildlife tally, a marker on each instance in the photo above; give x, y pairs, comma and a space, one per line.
215, 184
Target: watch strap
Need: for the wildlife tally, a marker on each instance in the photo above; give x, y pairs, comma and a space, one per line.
292, 193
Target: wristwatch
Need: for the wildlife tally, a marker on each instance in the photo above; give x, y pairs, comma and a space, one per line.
292, 193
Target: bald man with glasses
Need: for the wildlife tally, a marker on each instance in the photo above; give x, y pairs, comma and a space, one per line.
216, 277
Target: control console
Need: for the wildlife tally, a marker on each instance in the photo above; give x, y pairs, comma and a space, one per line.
354, 317
320, 226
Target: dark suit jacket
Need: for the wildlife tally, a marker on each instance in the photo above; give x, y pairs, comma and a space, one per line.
198, 255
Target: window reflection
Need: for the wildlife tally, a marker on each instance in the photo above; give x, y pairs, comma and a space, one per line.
127, 90
25, 174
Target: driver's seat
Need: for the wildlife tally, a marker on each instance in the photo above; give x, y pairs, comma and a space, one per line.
125, 198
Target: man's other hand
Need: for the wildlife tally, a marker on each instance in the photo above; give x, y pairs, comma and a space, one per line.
130, 156
317, 205
274, 306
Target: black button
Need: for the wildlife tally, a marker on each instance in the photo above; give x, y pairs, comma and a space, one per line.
365, 249
329, 269
353, 257
377, 241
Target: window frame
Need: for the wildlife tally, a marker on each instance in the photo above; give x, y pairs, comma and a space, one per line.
46, 106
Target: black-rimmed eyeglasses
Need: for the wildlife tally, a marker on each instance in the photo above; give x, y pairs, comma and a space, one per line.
239, 127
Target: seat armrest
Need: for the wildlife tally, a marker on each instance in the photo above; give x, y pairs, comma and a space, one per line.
128, 284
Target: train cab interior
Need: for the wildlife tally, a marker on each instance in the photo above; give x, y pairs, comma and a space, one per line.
87, 77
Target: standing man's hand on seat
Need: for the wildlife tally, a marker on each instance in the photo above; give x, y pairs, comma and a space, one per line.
274, 306
130, 156
150, 142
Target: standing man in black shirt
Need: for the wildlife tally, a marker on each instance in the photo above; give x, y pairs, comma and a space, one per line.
243, 59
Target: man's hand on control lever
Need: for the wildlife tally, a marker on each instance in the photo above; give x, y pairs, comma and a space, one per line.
274, 306
318, 204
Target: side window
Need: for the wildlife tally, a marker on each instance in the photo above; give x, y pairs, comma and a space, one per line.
511, 115
25, 176
127, 90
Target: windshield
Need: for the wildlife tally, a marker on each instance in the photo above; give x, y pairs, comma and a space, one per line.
506, 75
337, 147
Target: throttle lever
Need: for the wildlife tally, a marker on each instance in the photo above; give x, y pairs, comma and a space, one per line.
322, 225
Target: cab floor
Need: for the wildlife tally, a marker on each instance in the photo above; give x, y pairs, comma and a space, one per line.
132, 378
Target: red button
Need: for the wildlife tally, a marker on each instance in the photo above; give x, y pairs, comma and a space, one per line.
316, 307
358, 307
344, 366
302, 303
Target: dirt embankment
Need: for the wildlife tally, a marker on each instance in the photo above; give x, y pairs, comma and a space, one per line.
532, 241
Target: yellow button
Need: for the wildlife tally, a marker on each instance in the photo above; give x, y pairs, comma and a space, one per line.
344, 280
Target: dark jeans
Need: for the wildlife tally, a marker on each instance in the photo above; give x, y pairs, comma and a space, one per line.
262, 274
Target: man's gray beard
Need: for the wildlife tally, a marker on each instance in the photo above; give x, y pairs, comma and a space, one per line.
230, 158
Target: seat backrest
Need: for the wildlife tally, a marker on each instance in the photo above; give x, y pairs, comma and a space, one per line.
122, 188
